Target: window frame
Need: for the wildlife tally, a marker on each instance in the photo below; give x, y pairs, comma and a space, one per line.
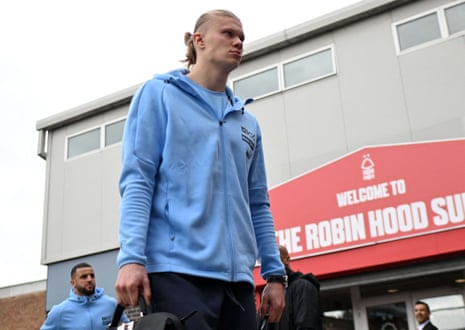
280, 71
102, 139
104, 142
442, 23
448, 6
256, 72
309, 54
69, 137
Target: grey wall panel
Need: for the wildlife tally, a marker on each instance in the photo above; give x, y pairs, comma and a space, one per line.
309, 46
433, 78
270, 114
315, 124
82, 205
372, 97
111, 169
58, 276
83, 200
53, 220
109, 221
278, 113
114, 114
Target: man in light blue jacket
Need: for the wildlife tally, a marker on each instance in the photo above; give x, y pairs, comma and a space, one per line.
195, 213
87, 307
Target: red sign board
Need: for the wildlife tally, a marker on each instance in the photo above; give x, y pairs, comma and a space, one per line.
377, 205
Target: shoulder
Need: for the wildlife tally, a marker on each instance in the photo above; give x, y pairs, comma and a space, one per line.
301, 284
158, 82
61, 306
150, 88
305, 284
251, 118
430, 326
311, 279
56, 312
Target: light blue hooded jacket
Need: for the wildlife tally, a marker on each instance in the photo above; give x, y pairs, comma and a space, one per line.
82, 312
193, 185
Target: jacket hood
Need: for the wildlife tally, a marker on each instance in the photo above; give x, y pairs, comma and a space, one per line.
178, 78
85, 299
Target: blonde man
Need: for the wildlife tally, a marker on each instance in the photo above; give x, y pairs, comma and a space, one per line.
195, 211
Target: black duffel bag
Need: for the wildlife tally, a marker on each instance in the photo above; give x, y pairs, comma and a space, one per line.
148, 320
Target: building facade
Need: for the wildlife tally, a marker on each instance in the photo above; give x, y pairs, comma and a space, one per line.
363, 121
22, 306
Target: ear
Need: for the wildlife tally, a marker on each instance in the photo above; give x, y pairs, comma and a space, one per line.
73, 283
197, 39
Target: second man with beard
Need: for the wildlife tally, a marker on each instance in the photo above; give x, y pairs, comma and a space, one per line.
87, 307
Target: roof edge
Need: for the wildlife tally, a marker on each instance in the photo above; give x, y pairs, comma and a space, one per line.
88, 109
318, 26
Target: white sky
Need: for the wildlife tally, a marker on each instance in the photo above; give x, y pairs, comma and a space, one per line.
59, 54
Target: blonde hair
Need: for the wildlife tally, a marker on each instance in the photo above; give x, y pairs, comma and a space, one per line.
191, 55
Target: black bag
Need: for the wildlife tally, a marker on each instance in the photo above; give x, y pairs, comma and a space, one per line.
149, 321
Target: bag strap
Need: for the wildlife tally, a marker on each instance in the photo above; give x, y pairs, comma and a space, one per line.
116, 317
263, 325
118, 313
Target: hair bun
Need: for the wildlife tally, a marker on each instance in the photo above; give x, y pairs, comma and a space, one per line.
187, 38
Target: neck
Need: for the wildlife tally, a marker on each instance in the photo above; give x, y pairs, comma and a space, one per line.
212, 79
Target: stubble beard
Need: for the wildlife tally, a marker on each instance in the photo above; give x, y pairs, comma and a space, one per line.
84, 291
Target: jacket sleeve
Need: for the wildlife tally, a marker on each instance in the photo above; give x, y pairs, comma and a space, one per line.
268, 252
143, 140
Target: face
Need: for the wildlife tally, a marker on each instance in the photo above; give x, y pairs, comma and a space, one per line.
219, 42
421, 313
83, 281
284, 256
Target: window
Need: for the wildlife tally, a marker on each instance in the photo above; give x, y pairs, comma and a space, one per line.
114, 132
258, 84
308, 68
419, 31
305, 69
435, 25
455, 17
93, 139
84, 142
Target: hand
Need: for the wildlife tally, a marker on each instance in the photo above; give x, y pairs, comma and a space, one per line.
273, 302
132, 282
